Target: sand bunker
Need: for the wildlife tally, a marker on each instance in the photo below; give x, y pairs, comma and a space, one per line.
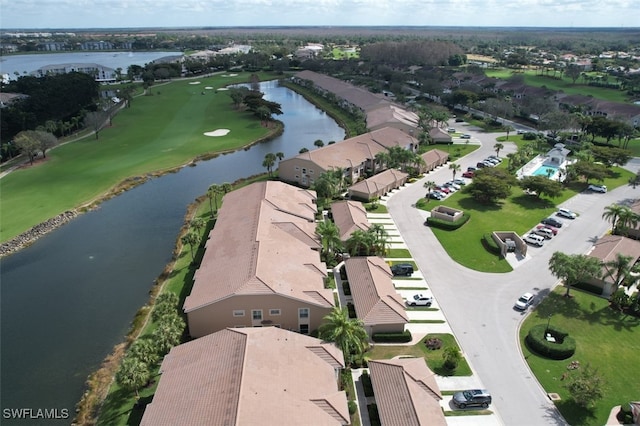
208, 88
229, 75
222, 89
195, 82
219, 132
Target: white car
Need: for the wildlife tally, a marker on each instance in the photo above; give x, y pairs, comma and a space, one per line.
566, 213
534, 239
544, 232
420, 300
452, 184
597, 188
524, 301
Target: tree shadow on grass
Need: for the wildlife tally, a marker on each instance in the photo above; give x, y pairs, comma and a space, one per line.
135, 417
575, 414
117, 404
557, 304
530, 202
470, 205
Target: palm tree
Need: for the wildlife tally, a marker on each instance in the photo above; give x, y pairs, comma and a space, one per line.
358, 243
212, 193
329, 237
192, 239
381, 159
618, 269
508, 129
627, 219
279, 155
347, 333
379, 239
573, 269
168, 333
145, 350
429, 185
612, 213
498, 146
318, 143
198, 224
269, 162
165, 304
133, 374
455, 168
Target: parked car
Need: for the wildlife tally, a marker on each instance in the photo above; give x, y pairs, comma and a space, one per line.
440, 193
451, 130
524, 301
495, 157
468, 174
437, 195
566, 213
452, 184
521, 132
460, 182
472, 397
492, 161
549, 227
402, 269
459, 120
420, 300
534, 239
444, 189
465, 136
481, 165
597, 188
471, 169
544, 232
551, 221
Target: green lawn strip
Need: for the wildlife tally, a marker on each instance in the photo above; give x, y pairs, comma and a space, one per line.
564, 84
379, 209
399, 253
518, 213
412, 288
421, 308
409, 262
119, 404
433, 358
159, 132
467, 412
606, 340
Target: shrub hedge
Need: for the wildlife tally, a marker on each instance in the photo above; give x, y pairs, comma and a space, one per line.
403, 337
564, 347
366, 384
446, 225
490, 244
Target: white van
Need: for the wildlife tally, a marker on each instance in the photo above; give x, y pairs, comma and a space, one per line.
544, 232
534, 239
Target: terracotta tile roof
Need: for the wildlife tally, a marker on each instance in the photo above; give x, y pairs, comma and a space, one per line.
438, 134
264, 241
348, 217
354, 151
357, 96
607, 248
435, 156
244, 377
386, 114
374, 296
390, 178
406, 392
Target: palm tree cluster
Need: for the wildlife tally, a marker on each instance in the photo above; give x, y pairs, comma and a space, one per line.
213, 192
144, 353
347, 333
270, 161
372, 242
622, 218
398, 158
330, 184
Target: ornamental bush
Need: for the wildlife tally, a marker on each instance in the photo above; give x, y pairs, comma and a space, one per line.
564, 347
403, 337
446, 225
490, 244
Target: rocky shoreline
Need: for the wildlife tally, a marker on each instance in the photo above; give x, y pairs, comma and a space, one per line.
30, 236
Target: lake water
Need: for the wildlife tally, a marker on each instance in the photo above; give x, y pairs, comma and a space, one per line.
29, 63
70, 297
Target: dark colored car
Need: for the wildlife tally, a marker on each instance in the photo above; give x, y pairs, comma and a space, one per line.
472, 398
552, 222
402, 269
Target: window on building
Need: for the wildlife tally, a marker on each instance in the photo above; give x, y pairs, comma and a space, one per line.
256, 314
304, 171
304, 328
296, 168
274, 312
238, 313
303, 312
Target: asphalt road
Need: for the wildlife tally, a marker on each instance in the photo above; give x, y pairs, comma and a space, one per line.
479, 306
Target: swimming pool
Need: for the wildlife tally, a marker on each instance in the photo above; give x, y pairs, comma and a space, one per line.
546, 171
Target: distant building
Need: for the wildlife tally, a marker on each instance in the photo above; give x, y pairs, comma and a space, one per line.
97, 45
99, 72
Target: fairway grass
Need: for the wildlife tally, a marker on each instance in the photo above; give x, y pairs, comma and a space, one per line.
606, 340
160, 131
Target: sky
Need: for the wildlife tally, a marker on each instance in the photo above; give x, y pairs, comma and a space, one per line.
66, 14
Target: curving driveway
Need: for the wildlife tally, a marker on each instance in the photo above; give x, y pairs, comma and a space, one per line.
479, 306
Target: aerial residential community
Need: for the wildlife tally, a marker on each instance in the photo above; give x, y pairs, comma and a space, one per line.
349, 227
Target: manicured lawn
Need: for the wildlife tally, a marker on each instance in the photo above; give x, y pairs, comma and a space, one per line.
518, 213
399, 253
419, 350
161, 131
605, 339
565, 84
